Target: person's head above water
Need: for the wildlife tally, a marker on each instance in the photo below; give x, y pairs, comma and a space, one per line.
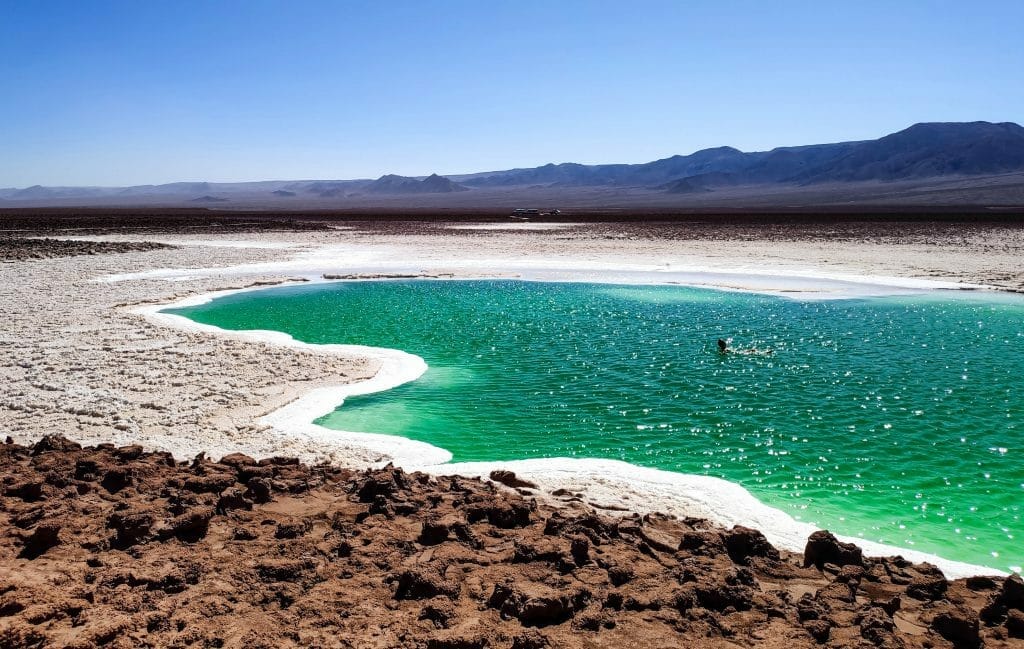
722, 345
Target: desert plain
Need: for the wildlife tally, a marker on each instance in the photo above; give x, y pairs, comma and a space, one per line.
188, 520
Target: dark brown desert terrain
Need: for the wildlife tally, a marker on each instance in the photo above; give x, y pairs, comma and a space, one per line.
116, 547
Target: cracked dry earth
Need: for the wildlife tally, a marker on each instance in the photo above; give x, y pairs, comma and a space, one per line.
115, 547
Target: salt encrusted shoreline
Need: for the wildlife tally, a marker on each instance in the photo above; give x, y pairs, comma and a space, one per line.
89, 368
807, 283
295, 419
609, 484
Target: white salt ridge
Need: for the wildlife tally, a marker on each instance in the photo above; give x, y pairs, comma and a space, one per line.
611, 484
804, 283
294, 420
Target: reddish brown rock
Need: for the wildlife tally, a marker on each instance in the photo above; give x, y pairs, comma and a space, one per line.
233, 498
43, 537
433, 532
703, 542
509, 479
820, 630
279, 554
424, 583
957, 624
130, 526
28, 490
823, 547
1015, 623
237, 460
192, 525
744, 543
1011, 595
928, 587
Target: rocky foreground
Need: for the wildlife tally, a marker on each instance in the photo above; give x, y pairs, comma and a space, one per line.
117, 547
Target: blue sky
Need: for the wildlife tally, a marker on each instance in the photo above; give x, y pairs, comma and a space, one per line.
118, 93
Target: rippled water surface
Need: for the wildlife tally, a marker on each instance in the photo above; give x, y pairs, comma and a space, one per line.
897, 419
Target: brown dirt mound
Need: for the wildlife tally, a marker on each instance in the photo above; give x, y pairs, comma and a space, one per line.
116, 547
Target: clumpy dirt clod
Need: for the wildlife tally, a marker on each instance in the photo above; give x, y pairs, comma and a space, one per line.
116, 547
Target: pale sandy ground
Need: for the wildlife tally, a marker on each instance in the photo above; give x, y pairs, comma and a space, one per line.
77, 359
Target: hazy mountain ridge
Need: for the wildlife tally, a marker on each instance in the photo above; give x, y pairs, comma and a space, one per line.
927, 151
432, 184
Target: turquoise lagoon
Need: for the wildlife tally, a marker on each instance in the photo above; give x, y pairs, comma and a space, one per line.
896, 419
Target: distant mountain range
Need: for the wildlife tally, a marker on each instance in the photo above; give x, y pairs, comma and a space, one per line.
954, 154
921, 151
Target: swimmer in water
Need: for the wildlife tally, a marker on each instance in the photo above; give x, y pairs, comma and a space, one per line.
723, 348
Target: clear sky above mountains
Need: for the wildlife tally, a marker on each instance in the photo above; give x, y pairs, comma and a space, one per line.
118, 93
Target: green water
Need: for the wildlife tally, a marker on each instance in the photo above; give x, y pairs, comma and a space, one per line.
896, 419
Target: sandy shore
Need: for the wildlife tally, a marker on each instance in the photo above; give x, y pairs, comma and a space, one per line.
83, 355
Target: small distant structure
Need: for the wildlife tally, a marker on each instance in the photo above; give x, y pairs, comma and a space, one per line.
527, 212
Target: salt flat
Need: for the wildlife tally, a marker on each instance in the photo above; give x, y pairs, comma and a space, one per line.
84, 357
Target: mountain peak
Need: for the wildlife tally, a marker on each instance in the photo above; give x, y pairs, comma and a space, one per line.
432, 184
718, 150
929, 150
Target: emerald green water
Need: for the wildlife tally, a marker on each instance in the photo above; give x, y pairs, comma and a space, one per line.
897, 419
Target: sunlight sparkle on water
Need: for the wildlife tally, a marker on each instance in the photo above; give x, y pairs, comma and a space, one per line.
860, 432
